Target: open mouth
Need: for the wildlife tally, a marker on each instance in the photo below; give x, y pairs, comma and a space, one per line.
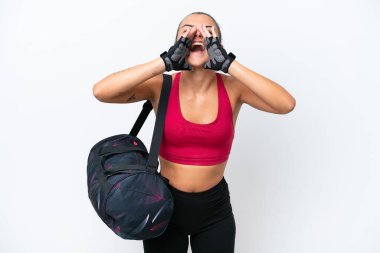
197, 47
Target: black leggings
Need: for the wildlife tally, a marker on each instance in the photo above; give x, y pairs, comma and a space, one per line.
206, 216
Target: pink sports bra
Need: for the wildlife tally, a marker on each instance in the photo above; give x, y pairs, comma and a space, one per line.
192, 143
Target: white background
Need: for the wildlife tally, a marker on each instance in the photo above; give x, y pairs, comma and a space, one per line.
307, 181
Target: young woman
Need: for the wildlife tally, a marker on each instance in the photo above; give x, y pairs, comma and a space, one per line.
199, 129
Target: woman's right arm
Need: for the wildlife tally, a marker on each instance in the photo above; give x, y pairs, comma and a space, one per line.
132, 84
137, 83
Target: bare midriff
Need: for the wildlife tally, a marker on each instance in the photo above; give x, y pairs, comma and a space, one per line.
192, 178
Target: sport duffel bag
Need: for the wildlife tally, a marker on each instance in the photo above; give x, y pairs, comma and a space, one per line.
124, 186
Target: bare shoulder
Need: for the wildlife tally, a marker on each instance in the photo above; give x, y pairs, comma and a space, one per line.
157, 89
244, 95
155, 84
233, 88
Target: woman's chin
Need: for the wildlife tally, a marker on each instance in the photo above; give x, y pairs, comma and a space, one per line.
197, 59
197, 65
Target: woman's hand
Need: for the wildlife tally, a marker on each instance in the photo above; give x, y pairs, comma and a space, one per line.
175, 58
219, 59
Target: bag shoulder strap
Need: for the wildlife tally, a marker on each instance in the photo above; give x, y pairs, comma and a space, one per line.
153, 163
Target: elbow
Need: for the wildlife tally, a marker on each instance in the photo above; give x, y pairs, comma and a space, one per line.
96, 92
292, 105
289, 107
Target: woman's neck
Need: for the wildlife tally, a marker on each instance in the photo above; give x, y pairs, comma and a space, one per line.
198, 81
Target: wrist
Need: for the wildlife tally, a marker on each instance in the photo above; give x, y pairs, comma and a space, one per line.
159, 65
233, 68
226, 65
164, 57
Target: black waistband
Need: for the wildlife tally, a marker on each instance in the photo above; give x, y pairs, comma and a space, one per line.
219, 186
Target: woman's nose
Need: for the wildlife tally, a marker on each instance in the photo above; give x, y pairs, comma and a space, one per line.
198, 33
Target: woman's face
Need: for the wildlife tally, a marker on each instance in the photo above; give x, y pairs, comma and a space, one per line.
197, 58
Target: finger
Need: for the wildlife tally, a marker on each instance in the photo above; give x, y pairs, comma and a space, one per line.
186, 32
213, 31
191, 32
208, 34
203, 32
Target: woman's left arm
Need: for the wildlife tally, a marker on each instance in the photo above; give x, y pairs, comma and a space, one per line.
255, 89
271, 93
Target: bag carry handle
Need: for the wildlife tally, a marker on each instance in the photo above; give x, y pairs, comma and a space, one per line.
119, 149
123, 169
147, 107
